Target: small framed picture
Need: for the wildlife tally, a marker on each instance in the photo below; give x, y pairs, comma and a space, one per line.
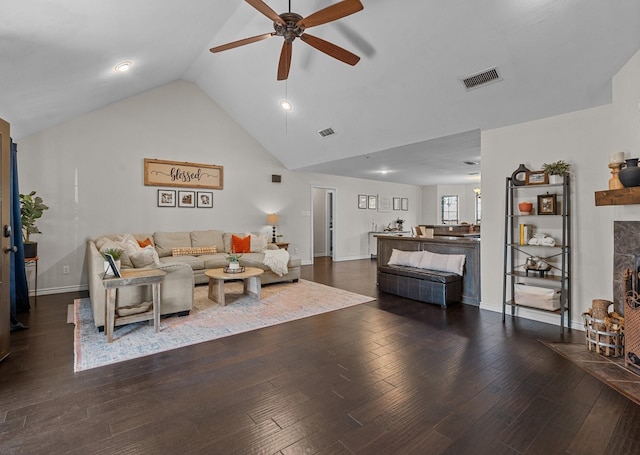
536, 178
205, 199
186, 198
405, 203
166, 198
362, 201
396, 203
373, 202
547, 204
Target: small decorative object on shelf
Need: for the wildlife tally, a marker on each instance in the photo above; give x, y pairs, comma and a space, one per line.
556, 171
630, 174
614, 181
536, 178
525, 207
399, 224
519, 175
547, 204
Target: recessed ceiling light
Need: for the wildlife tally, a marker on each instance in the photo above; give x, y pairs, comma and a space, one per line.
123, 66
384, 171
286, 105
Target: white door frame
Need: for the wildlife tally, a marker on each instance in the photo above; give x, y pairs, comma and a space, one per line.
333, 217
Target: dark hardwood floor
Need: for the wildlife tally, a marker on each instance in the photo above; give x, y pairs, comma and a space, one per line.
389, 377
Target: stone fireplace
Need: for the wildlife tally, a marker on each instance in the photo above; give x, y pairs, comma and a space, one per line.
626, 255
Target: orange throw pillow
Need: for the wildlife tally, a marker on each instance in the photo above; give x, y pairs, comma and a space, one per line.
144, 243
240, 245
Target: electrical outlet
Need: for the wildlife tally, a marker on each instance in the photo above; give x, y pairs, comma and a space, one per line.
65, 269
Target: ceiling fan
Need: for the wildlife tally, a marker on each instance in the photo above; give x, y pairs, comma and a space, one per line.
292, 25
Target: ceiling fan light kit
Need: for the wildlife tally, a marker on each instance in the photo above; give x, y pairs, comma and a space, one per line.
291, 25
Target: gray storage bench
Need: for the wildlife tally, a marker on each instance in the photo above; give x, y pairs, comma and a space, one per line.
431, 286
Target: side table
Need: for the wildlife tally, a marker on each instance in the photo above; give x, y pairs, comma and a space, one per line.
283, 245
133, 277
29, 262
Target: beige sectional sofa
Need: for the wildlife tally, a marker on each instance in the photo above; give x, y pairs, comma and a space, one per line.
169, 251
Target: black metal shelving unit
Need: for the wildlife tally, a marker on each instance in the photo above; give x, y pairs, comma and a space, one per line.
558, 256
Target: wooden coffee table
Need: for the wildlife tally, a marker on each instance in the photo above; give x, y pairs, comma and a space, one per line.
250, 278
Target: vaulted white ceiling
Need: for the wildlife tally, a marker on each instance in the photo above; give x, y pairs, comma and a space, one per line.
402, 108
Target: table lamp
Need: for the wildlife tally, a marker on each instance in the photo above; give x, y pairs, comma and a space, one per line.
272, 219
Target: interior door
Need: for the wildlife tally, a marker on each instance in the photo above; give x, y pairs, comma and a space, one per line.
5, 243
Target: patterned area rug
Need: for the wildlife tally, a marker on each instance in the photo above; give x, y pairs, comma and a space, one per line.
279, 303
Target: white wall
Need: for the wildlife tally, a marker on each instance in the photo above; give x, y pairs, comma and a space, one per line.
90, 172
585, 139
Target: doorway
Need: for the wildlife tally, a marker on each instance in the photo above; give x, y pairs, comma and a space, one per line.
323, 222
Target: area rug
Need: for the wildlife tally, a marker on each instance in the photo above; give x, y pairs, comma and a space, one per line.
609, 370
279, 303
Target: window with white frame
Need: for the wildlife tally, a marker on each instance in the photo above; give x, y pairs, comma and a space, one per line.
450, 210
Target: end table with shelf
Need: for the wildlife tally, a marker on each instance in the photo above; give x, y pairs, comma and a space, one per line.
139, 277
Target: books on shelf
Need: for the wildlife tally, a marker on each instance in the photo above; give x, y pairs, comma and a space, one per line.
526, 232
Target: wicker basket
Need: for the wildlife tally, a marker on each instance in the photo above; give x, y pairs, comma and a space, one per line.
605, 336
632, 324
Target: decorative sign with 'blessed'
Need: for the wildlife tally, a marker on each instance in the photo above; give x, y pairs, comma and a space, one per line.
183, 174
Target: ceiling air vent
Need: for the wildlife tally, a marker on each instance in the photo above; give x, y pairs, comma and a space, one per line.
326, 132
476, 80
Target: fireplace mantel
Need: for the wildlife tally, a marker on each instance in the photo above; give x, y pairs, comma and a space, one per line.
624, 196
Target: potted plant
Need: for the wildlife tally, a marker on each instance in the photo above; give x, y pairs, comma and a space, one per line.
31, 209
556, 170
116, 253
234, 259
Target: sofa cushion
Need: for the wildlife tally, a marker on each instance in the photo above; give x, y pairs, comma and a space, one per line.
259, 242
214, 261
144, 257
195, 262
166, 241
253, 260
408, 258
207, 238
193, 251
227, 240
241, 244
453, 263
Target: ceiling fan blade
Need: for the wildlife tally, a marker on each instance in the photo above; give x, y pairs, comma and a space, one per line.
330, 49
266, 10
241, 42
331, 13
285, 61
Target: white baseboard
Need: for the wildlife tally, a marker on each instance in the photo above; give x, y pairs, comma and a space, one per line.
540, 316
60, 290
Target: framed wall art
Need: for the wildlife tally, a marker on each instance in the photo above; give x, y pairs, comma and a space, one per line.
396, 203
204, 199
384, 203
166, 198
373, 202
536, 178
186, 198
182, 173
405, 204
547, 204
362, 201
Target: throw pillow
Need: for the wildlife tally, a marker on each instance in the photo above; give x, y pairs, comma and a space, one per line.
145, 242
259, 242
193, 251
408, 258
241, 245
145, 257
453, 263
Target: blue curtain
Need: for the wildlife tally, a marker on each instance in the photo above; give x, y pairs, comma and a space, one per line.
19, 285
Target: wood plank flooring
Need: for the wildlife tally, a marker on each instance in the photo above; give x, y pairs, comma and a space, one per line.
392, 376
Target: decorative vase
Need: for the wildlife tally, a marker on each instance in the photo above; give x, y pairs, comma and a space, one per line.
525, 208
630, 174
519, 175
555, 179
234, 265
